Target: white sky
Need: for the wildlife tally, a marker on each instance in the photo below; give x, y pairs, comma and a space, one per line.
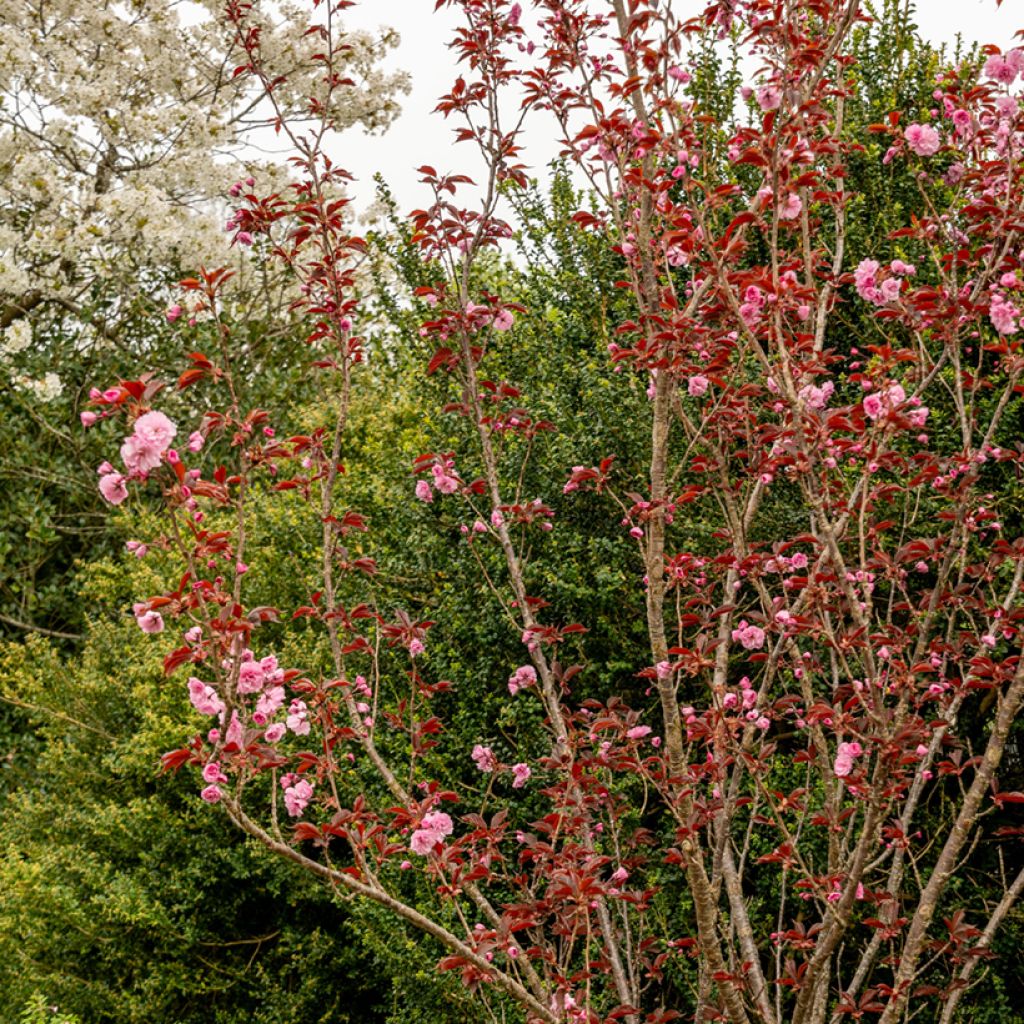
421, 137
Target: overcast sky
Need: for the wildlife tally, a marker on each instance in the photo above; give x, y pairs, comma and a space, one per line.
421, 137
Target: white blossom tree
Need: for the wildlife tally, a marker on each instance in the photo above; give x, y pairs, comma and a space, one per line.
122, 122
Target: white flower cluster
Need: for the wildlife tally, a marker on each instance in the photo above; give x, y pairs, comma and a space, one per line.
121, 128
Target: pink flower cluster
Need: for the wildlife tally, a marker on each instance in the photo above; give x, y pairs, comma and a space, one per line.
445, 480
882, 402
923, 139
204, 697
434, 828
749, 637
484, 759
845, 756
254, 675
1003, 314
149, 621
523, 677
870, 289
816, 396
1005, 68
142, 452
297, 793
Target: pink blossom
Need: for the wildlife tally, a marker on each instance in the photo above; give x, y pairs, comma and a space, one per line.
845, 756
172, 313
443, 482
423, 491
154, 428
433, 829
524, 676
212, 773
150, 622
88, 418
638, 732
113, 489
769, 97
864, 280
211, 794
484, 759
275, 732
890, 289
923, 139
296, 795
520, 773
815, 397
204, 698
1004, 68
439, 822
679, 75
697, 385
881, 402
961, 121
270, 702
416, 647
195, 441
423, 841
1003, 314
235, 735
140, 456
791, 207
503, 321
250, 677
750, 637
298, 718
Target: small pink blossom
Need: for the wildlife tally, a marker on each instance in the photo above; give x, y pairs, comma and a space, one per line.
416, 647
150, 622
638, 732
154, 428
113, 489
520, 773
275, 732
845, 756
503, 321
211, 794
748, 636
791, 208
769, 97
212, 773
88, 418
1003, 314
298, 718
923, 139
524, 676
195, 441
423, 491
484, 759
140, 456
297, 795
204, 698
697, 385
1004, 68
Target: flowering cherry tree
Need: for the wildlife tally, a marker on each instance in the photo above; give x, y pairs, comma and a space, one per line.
835, 667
